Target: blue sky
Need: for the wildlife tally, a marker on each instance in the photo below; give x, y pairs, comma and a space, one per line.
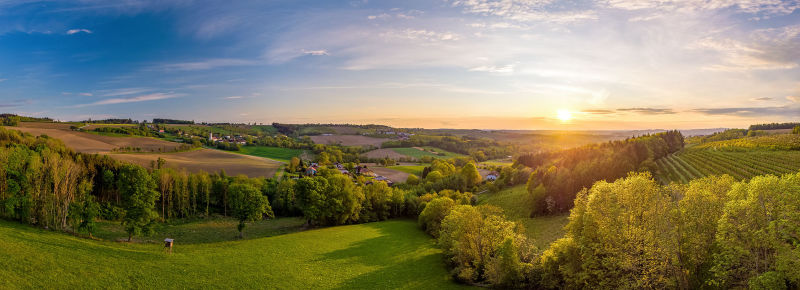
613, 64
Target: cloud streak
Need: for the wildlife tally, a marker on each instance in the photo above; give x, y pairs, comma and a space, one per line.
647, 111
786, 111
78, 30
143, 98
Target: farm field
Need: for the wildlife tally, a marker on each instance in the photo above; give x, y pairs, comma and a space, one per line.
209, 160
410, 169
384, 153
274, 153
349, 140
411, 152
391, 254
93, 143
693, 163
543, 230
394, 175
419, 152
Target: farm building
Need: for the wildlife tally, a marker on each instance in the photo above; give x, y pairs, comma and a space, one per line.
492, 176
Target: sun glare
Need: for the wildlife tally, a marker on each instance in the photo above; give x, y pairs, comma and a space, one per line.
564, 115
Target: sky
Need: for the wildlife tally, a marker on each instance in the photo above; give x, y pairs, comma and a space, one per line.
509, 64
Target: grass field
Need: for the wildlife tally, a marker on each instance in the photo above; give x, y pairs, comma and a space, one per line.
348, 140
391, 254
695, 162
415, 152
410, 169
274, 153
212, 230
543, 230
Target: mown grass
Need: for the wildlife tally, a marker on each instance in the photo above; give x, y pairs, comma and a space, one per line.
416, 153
391, 254
211, 230
542, 229
274, 153
410, 169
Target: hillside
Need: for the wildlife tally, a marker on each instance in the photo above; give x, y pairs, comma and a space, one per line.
742, 158
543, 230
393, 254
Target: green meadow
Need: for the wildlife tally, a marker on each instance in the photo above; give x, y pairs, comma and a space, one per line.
275, 153
416, 153
410, 169
391, 254
543, 230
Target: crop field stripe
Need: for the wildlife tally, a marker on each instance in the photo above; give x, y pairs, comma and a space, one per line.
675, 176
758, 166
693, 171
664, 172
686, 176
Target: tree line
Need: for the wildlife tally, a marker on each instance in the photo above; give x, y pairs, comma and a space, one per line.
774, 126
558, 176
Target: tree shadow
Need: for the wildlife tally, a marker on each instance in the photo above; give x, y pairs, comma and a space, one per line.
404, 255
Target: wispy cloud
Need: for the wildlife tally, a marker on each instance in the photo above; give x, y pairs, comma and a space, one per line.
205, 64
786, 111
316, 52
233, 97
15, 103
761, 99
524, 10
143, 98
78, 30
494, 69
598, 111
795, 99
123, 91
86, 94
2, 80
647, 111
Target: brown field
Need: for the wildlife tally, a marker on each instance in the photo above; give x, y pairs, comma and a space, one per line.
208, 160
93, 143
383, 153
393, 175
348, 140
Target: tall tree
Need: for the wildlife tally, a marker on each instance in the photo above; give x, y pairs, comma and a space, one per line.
247, 204
138, 189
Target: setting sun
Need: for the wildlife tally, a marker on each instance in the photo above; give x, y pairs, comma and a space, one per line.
564, 115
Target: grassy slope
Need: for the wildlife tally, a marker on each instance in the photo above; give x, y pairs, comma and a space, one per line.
392, 254
543, 230
410, 169
416, 153
275, 153
205, 230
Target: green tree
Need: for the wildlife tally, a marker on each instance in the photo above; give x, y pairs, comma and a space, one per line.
85, 211
138, 190
247, 204
294, 164
309, 195
758, 235
471, 174
412, 179
434, 212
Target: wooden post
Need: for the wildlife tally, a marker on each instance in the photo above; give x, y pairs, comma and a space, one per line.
168, 245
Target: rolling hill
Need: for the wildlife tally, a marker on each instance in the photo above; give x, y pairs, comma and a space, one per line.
392, 254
